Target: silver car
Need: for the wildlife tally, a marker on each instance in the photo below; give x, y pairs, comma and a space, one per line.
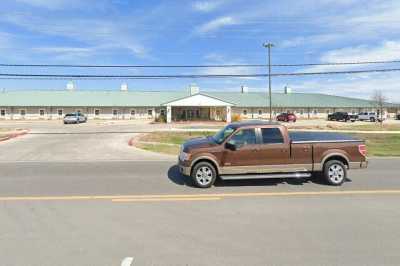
74, 118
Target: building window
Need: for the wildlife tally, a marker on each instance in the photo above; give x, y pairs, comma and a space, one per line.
115, 112
41, 112
133, 112
60, 112
244, 112
22, 112
315, 111
162, 112
259, 112
150, 112
2, 112
96, 112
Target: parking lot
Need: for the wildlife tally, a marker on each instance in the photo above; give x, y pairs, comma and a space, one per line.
80, 195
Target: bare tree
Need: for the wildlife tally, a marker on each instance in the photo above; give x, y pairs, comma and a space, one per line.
379, 98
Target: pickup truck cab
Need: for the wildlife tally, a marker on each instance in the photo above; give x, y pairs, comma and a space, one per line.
258, 149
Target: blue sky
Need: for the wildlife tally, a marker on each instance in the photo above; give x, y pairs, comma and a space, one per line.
203, 32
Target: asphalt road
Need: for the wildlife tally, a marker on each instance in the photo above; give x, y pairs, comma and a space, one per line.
76, 206
98, 213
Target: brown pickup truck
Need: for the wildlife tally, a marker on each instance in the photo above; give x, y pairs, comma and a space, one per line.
258, 149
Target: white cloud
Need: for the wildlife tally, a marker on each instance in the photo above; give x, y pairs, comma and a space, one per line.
388, 50
216, 24
93, 32
359, 86
207, 6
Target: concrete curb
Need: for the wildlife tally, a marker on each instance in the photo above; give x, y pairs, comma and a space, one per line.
14, 134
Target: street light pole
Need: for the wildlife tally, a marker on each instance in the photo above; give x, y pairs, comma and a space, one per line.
269, 46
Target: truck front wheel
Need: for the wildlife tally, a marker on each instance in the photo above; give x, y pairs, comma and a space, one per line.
204, 175
335, 172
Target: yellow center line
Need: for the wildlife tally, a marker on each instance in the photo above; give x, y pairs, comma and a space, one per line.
208, 195
166, 199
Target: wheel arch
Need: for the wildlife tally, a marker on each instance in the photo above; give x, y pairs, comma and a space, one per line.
338, 157
207, 159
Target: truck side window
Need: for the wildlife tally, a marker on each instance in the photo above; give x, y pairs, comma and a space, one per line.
244, 137
271, 135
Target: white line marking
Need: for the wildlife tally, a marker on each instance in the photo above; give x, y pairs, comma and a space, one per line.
127, 261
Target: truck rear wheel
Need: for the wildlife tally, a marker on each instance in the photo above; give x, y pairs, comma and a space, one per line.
204, 175
335, 172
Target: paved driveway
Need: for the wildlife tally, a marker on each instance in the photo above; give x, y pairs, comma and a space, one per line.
93, 141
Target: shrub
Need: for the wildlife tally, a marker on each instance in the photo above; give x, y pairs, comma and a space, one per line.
161, 119
236, 118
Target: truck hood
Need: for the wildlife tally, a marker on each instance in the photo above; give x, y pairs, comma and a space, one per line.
197, 143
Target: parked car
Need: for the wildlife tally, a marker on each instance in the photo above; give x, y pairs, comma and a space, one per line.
370, 116
74, 118
286, 117
257, 149
342, 116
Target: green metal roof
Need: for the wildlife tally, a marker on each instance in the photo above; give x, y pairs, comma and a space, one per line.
157, 98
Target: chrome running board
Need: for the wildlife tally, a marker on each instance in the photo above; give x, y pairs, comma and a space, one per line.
262, 176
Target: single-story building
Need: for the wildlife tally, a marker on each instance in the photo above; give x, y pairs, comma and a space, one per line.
176, 105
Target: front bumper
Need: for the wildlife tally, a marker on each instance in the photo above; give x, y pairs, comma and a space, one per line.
184, 169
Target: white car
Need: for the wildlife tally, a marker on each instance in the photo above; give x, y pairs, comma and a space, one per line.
370, 116
74, 118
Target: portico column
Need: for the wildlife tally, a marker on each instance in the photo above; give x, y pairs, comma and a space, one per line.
169, 114
228, 114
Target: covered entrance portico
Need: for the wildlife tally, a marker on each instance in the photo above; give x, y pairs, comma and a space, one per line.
198, 107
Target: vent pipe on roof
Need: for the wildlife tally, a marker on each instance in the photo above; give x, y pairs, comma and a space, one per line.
70, 86
287, 90
244, 89
124, 87
193, 89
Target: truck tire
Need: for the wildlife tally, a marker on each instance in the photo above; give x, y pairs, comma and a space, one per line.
204, 175
335, 172
372, 119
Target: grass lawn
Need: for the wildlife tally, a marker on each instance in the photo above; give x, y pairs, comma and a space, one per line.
174, 137
377, 144
161, 148
382, 144
372, 127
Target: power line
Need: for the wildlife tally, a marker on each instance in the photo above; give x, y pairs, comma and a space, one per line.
199, 66
191, 76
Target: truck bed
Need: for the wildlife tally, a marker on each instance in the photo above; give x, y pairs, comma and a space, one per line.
315, 137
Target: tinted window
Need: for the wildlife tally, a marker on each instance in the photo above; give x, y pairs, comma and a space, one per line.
244, 137
271, 135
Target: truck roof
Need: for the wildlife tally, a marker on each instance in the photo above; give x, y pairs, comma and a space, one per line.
254, 123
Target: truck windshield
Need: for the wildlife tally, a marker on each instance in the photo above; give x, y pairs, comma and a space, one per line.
223, 134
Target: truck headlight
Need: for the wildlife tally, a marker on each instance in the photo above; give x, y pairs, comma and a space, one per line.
183, 156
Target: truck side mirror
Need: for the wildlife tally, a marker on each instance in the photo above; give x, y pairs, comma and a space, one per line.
230, 146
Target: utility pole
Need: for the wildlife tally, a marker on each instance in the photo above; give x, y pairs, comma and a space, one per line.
269, 46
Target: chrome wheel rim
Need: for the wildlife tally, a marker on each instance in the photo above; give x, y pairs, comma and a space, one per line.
336, 173
204, 175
